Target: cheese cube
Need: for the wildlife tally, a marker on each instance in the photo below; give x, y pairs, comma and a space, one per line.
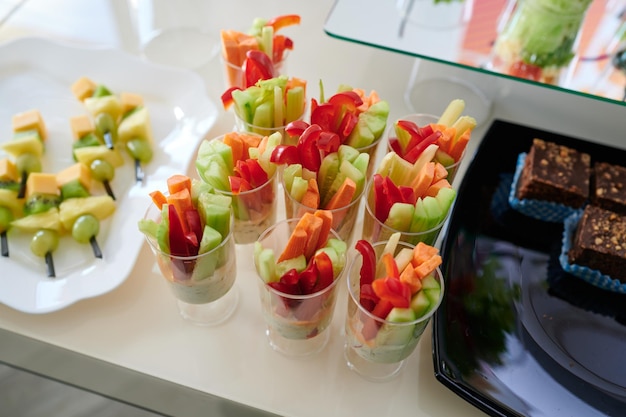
30, 120
77, 171
81, 125
130, 101
41, 183
8, 170
83, 88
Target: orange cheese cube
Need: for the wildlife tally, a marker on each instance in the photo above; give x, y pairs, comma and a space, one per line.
83, 88
41, 183
77, 171
130, 101
30, 120
81, 125
8, 170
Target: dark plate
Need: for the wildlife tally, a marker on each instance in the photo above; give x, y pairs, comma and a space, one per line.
515, 334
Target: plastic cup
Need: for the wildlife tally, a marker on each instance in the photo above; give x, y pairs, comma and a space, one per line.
376, 231
423, 119
202, 284
254, 210
376, 348
296, 325
176, 33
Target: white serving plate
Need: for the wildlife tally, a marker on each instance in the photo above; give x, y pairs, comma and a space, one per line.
36, 73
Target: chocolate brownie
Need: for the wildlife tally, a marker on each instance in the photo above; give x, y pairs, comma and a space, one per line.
555, 173
599, 242
608, 189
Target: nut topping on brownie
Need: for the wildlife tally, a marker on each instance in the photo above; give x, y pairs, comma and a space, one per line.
600, 242
555, 173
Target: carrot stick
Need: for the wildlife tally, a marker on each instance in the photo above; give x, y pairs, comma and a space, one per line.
434, 188
440, 172
158, 198
343, 196
422, 253
425, 268
423, 179
409, 277
313, 228
178, 182
181, 200
327, 224
295, 245
311, 197
233, 140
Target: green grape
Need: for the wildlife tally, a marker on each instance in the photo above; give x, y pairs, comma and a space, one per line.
85, 227
105, 124
6, 217
43, 242
102, 170
28, 162
139, 149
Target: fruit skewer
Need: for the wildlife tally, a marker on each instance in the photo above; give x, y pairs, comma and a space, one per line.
74, 182
103, 105
41, 216
88, 150
10, 205
135, 131
81, 216
27, 146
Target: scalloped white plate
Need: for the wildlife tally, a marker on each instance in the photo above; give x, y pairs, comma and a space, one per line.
36, 73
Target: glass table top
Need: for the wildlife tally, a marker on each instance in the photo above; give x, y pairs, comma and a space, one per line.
463, 33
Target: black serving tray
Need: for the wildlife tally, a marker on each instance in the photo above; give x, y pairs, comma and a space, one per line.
515, 334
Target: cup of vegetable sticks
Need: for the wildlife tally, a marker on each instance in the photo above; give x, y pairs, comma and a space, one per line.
261, 37
202, 283
394, 289
299, 263
237, 166
419, 220
410, 134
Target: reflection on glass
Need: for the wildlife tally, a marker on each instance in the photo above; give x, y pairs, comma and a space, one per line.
540, 39
580, 38
485, 297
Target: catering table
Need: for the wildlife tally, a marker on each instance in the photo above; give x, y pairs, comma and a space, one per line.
129, 344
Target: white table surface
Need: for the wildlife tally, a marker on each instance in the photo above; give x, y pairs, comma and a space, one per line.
131, 344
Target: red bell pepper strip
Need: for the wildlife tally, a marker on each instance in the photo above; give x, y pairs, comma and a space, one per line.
393, 290
285, 154
347, 124
280, 44
382, 309
258, 176
408, 194
324, 115
368, 266
325, 273
279, 22
178, 241
257, 66
296, 127
395, 146
416, 151
308, 278
367, 297
381, 201
310, 157
391, 268
328, 142
227, 97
